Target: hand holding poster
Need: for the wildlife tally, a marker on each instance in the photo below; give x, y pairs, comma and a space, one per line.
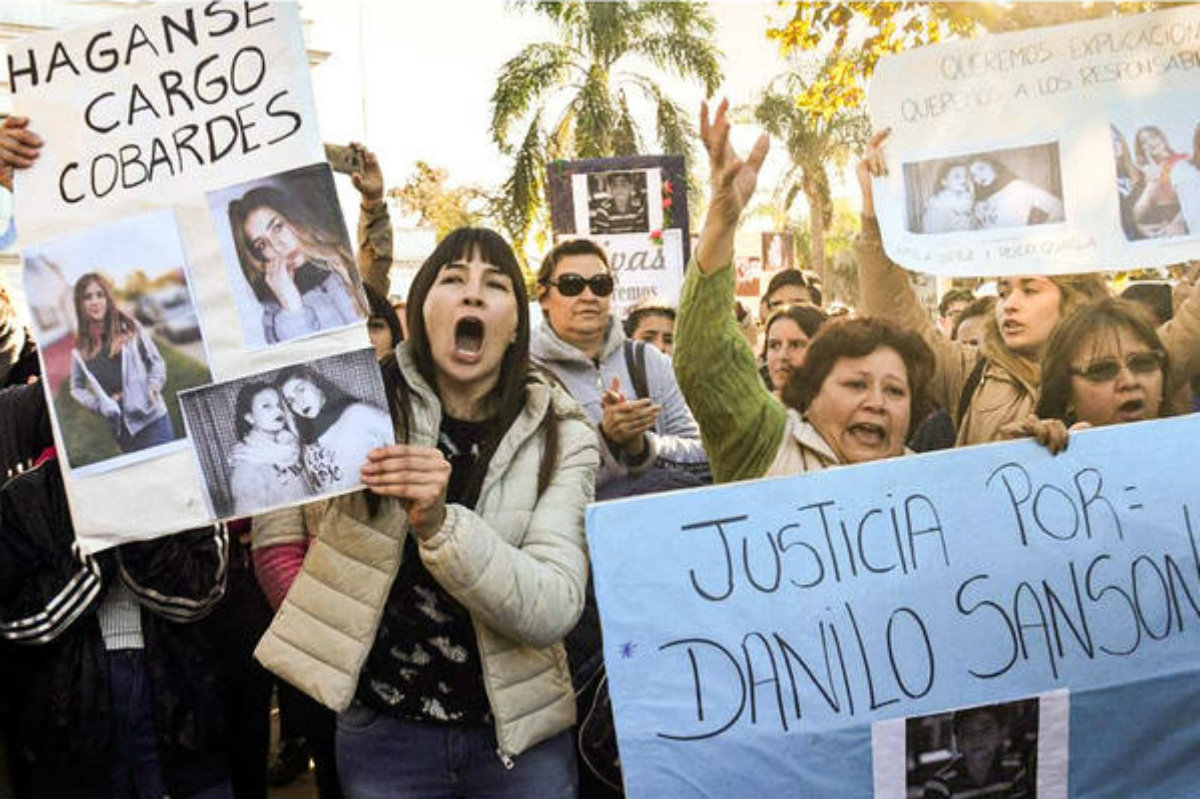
181, 169
1052, 150
769, 638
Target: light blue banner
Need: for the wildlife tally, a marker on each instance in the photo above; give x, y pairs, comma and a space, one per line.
754, 631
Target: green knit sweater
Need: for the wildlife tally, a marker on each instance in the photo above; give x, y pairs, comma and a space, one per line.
741, 423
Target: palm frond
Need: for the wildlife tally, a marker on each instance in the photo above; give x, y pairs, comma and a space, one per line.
625, 140
523, 189
534, 71
594, 117
683, 54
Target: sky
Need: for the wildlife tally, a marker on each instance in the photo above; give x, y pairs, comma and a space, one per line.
427, 70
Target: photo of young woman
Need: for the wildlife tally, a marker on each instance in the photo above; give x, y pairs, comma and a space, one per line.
289, 435
288, 256
119, 337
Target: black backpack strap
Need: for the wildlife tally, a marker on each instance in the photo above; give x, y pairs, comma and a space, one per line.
969, 388
635, 363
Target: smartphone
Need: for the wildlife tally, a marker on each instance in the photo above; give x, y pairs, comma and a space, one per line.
343, 159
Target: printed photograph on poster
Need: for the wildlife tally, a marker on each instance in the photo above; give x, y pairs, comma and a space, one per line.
1156, 150
1011, 188
618, 202
288, 256
983, 750
749, 276
1011, 749
119, 336
777, 251
288, 435
606, 196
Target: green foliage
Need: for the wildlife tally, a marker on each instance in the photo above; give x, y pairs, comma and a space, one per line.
840, 278
427, 195
894, 26
89, 438
814, 142
576, 97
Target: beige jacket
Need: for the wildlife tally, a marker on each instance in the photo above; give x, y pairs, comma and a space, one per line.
1008, 390
802, 449
518, 563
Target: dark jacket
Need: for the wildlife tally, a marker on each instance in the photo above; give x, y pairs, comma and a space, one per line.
55, 670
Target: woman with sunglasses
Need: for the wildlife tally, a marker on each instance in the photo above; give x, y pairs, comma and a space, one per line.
583, 345
1104, 365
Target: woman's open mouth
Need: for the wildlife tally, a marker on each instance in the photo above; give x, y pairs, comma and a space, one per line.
868, 433
1131, 410
468, 339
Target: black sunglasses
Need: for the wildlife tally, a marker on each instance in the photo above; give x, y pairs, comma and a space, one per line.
1107, 369
572, 285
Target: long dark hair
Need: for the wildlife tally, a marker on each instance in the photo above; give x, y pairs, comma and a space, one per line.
1004, 176
242, 406
113, 331
508, 396
1140, 152
808, 318
1108, 315
336, 401
325, 248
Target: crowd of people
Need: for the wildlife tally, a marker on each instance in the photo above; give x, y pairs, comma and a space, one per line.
436, 632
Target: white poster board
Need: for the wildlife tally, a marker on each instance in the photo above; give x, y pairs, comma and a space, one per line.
143, 116
1053, 150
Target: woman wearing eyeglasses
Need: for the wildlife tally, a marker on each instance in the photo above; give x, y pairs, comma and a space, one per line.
1104, 365
583, 345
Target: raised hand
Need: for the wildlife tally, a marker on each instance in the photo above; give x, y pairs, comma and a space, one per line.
19, 148
733, 179
418, 477
368, 181
872, 164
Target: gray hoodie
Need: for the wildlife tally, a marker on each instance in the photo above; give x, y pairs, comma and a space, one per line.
676, 436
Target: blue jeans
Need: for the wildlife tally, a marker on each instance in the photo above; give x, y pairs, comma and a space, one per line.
381, 756
134, 767
160, 431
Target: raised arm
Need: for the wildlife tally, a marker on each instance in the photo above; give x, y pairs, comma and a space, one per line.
887, 292
733, 181
374, 223
741, 424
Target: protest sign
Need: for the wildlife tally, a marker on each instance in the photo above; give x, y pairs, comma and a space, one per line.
754, 632
778, 251
160, 128
636, 208
1053, 150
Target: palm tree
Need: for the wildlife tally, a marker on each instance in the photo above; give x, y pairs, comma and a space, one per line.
813, 143
575, 97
